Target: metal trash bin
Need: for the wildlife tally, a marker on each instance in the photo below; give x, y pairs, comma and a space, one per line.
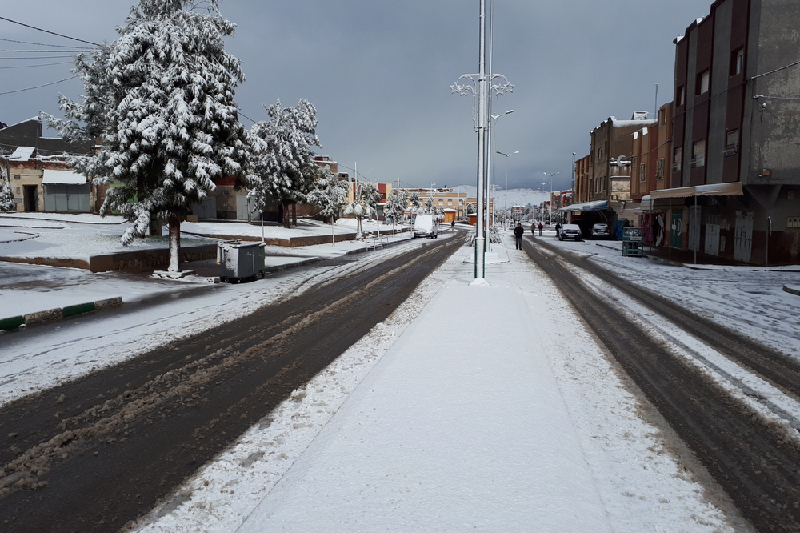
632, 245
240, 260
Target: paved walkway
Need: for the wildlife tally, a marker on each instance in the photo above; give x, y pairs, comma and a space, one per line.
460, 427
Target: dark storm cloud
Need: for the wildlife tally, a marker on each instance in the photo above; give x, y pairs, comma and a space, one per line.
380, 73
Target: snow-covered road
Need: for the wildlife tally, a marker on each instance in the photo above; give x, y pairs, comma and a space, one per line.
442, 409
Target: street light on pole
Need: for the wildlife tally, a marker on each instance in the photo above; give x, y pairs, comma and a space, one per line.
506, 194
481, 86
550, 202
493, 143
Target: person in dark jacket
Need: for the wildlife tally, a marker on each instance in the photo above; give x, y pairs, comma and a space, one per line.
540, 229
518, 231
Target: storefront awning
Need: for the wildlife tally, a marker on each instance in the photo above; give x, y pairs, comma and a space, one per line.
62, 177
714, 189
720, 189
677, 192
599, 205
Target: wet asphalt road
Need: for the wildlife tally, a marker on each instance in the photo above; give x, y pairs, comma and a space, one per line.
752, 459
93, 454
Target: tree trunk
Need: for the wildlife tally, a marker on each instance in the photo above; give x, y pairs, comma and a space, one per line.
155, 226
294, 214
285, 215
174, 243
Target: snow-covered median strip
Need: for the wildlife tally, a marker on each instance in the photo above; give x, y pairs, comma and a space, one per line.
221, 495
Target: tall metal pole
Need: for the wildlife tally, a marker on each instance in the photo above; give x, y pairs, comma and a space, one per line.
490, 154
480, 244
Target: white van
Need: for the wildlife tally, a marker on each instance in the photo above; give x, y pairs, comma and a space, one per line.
426, 226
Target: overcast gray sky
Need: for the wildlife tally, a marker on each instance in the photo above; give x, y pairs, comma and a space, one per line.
380, 72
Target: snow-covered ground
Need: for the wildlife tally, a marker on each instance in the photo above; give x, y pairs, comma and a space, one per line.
80, 236
67, 236
446, 419
155, 312
750, 300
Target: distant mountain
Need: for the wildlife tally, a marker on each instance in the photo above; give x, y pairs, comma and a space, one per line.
509, 197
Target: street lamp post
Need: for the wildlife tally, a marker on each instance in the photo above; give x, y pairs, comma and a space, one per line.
573, 176
550, 202
506, 195
493, 143
481, 86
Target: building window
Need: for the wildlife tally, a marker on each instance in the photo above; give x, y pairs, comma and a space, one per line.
680, 96
599, 154
17, 176
677, 160
737, 62
660, 163
699, 154
643, 172
703, 82
732, 140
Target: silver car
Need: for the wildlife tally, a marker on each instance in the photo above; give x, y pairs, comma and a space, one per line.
570, 231
600, 231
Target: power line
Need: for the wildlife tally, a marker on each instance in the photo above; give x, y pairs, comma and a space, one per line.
42, 51
38, 86
776, 70
40, 65
43, 44
40, 57
245, 116
48, 31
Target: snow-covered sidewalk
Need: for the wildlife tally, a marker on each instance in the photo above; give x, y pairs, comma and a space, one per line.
468, 409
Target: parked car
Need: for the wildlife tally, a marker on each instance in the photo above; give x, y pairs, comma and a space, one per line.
570, 231
426, 226
600, 231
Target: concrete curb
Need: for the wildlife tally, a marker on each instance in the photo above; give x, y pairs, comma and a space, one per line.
54, 315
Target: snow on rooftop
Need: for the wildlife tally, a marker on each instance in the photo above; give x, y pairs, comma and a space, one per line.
23, 153
21, 122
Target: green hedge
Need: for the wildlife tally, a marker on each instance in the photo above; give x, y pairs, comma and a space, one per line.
8, 324
72, 310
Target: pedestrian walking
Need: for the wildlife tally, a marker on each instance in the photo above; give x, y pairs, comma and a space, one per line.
558, 228
518, 231
540, 229
533, 228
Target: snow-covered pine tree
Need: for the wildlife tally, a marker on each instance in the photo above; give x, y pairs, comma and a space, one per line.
283, 160
370, 195
395, 204
160, 101
415, 201
329, 194
6, 197
429, 205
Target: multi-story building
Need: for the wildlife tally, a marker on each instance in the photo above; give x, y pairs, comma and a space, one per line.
651, 155
446, 198
735, 176
609, 143
37, 171
583, 179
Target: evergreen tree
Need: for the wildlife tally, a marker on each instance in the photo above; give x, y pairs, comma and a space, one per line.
370, 195
160, 101
395, 204
329, 194
415, 201
7, 197
283, 164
